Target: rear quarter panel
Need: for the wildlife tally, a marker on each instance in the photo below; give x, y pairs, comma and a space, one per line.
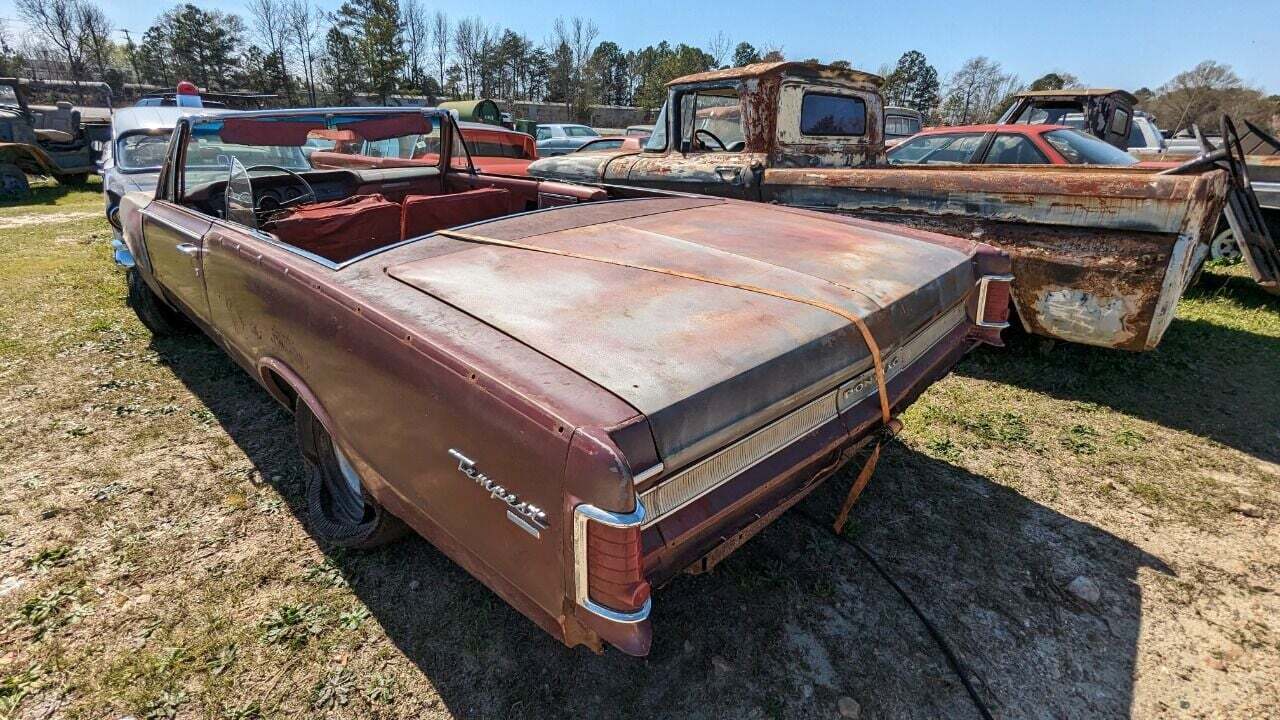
397, 405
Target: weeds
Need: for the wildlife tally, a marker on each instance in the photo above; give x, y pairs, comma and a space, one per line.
293, 625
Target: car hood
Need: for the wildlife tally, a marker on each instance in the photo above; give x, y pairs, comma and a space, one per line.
705, 363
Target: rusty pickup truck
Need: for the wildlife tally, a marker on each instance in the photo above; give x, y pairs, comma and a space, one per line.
575, 397
1100, 255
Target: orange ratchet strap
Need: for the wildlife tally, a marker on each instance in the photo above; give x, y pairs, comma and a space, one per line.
891, 424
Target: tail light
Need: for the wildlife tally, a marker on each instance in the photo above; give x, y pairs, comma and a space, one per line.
991, 314
609, 572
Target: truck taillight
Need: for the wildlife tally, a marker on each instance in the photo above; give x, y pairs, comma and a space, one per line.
993, 302
609, 572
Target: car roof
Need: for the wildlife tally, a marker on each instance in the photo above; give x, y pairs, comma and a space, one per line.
1018, 128
154, 117
469, 125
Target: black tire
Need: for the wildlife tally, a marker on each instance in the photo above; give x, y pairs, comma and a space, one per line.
337, 513
154, 313
13, 183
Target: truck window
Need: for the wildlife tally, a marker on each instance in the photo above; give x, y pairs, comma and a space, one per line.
1014, 150
1120, 122
896, 126
711, 120
823, 114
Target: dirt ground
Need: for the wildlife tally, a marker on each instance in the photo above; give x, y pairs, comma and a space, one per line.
153, 563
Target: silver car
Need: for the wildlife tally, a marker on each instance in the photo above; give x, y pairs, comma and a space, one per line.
131, 162
561, 138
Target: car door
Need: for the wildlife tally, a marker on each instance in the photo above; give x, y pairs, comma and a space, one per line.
709, 153
174, 237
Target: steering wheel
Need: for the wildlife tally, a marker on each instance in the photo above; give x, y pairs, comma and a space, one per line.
711, 135
310, 194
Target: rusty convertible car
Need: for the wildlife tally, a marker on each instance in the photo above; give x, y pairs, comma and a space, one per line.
572, 396
1101, 255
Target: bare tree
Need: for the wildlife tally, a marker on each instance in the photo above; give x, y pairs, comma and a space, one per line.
719, 47
467, 46
271, 23
303, 22
579, 37
441, 40
976, 90
57, 21
95, 36
417, 38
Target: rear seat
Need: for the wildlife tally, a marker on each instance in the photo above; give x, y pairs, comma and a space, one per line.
341, 229
428, 213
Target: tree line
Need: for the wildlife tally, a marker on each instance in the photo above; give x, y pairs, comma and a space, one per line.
380, 48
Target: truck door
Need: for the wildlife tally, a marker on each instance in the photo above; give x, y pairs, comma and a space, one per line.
706, 148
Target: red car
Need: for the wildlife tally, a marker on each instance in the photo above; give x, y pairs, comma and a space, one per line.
575, 403
1007, 145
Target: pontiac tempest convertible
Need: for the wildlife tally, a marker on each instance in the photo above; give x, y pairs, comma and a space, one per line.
575, 395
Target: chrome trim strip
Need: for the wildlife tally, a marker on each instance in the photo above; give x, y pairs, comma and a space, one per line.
864, 386
642, 477
983, 282
581, 514
709, 474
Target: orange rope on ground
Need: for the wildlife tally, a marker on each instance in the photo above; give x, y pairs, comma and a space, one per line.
881, 385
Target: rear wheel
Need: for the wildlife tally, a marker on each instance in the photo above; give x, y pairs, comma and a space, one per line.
13, 183
1224, 246
340, 510
154, 313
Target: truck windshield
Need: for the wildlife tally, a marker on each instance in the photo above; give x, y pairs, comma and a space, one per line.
658, 140
1080, 149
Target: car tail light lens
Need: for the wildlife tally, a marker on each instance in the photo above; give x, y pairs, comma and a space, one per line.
609, 566
993, 301
615, 573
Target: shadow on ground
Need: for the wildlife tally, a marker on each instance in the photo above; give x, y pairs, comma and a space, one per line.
1210, 380
47, 193
786, 626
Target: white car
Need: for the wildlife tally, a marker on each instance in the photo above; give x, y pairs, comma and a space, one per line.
561, 138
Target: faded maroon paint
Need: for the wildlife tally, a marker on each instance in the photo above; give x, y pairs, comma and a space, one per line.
399, 376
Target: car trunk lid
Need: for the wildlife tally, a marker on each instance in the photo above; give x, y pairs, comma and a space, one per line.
704, 362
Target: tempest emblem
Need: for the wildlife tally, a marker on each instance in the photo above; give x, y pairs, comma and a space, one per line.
528, 517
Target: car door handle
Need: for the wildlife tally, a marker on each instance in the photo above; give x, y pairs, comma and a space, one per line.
189, 249
728, 173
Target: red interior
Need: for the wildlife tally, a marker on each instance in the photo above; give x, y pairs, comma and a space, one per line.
341, 229
428, 213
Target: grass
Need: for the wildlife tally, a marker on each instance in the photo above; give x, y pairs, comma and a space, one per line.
152, 563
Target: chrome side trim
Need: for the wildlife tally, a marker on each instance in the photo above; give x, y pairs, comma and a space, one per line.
643, 476
983, 282
705, 476
864, 385
581, 514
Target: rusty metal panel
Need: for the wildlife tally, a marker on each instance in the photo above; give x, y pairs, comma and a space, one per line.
1100, 257
727, 380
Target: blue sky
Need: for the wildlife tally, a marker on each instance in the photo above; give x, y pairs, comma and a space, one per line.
1120, 44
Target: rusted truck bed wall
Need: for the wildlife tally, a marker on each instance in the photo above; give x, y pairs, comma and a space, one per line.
1099, 257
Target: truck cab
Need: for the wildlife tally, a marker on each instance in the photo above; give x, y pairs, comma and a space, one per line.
1104, 113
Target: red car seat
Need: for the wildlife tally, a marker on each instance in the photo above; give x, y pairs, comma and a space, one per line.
341, 229
428, 213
